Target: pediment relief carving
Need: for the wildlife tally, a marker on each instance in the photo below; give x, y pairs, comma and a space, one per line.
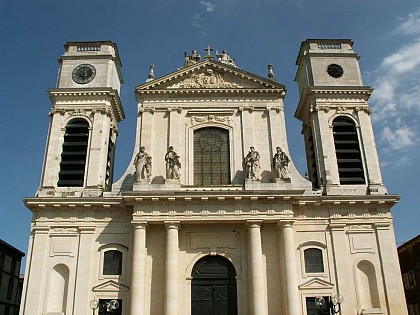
207, 80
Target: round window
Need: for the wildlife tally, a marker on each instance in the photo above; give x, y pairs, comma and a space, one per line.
335, 70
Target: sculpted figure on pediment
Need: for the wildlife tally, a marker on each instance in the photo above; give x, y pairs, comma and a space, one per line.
209, 79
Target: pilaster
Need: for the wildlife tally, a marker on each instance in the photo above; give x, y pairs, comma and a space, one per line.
83, 287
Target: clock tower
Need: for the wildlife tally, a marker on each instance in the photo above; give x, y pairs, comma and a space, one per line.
340, 145
86, 109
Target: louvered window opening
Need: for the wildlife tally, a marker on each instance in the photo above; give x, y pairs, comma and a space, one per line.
73, 156
312, 167
211, 157
110, 163
347, 150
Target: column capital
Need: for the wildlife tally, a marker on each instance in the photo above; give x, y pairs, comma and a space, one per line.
172, 225
253, 223
285, 224
382, 225
87, 229
336, 226
139, 224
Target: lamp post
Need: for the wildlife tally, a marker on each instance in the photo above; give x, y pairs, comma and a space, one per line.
94, 304
334, 306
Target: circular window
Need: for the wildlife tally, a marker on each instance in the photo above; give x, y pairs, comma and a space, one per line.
335, 70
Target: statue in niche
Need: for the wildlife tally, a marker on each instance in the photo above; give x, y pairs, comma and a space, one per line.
143, 164
252, 164
281, 164
173, 164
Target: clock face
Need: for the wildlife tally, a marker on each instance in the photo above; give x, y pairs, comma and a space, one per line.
84, 73
335, 71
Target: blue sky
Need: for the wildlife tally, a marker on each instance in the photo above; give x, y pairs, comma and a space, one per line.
386, 34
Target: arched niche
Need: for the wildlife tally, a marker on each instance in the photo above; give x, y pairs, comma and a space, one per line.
367, 286
58, 289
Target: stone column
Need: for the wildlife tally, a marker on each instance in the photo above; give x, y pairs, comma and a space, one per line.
259, 302
138, 286
171, 268
289, 255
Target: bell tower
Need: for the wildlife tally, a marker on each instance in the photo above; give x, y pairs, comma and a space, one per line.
333, 107
86, 109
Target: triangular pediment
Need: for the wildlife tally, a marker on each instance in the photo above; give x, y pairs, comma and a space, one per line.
210, 74
110, 286
316, 283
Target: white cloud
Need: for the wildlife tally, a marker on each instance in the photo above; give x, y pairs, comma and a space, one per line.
410, 25
398, 138
196, 20
396, 100
208, 6
405, 60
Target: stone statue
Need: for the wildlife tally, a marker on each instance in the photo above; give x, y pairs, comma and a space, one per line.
281, 164
143, 164
193, 59
173, 165
252, 164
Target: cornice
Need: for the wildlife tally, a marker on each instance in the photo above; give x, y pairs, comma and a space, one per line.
63, 95
295, 198
38, 203
332, 92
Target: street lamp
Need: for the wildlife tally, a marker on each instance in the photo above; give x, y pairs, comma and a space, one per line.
109, 306
334, 307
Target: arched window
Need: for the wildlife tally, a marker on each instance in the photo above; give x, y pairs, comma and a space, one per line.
347, 150
211, 157
313, 260
73, 156
112, 262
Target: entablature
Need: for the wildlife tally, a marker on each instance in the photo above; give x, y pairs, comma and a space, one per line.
348, 97
72, 95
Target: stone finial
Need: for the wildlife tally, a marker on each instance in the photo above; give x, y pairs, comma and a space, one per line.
271, 73
151, 75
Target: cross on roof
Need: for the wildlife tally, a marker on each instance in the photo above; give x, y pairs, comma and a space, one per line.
208, 49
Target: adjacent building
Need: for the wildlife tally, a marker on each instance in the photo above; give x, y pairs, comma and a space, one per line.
10, 281
211, 215
409, 255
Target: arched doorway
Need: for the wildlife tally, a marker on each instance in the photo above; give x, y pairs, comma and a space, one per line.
213, 287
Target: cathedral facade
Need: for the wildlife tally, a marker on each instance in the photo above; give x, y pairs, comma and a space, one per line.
212, 216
